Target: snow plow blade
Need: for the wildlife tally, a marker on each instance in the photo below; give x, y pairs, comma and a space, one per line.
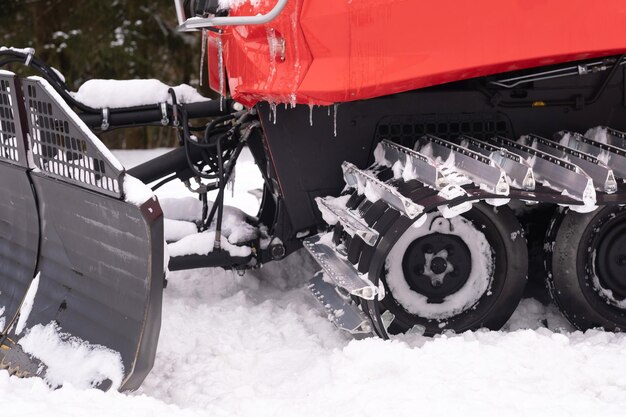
81, 253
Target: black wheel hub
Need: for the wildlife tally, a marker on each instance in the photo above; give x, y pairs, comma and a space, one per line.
437, 265
610, 261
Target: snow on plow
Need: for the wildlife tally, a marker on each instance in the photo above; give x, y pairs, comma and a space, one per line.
81, 245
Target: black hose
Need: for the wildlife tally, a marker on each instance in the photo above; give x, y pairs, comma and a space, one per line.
227, 175
606, 81
142, 115
231, 165
205, 210
186, 146
163, 182
220, 196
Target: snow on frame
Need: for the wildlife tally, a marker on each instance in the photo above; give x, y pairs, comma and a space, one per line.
233, 4
135, 191
113, 94
26, 51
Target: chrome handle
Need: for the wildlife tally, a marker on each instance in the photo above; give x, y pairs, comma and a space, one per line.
195, 23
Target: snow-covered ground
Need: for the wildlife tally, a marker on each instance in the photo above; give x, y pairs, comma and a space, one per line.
258, 346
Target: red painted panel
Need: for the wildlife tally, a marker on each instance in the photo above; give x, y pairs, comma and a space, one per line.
343, 50
217, 73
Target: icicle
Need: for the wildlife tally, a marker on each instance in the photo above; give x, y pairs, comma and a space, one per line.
335, 108
220, 65
292, 100
311, 114
271, 42
205, 39
328, 108
230, 185
273, 113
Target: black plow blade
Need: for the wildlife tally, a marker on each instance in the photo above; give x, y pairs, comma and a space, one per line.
81, 250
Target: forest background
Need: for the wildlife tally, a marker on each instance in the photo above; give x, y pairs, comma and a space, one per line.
113, 39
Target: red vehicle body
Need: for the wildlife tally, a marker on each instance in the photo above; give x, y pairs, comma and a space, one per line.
338, 51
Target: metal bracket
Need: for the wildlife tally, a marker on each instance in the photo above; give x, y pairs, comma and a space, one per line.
175, 121
553, 172
602, 176
341, 272
194, 23
164, 119
422, 167
30, 53
341, 310
614, 157
616, 138
105, 119
352, 223
519, 172
480, 169
365, 182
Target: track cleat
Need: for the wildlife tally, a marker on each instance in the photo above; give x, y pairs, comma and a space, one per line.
341, 309
600, 173
555, 173
352, 223
518, 171
339, 271
374, 189
612, 156
409, 164
480, 169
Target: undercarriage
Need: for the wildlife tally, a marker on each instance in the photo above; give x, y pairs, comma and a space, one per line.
427, 211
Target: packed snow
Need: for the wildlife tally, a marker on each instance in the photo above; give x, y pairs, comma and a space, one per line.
258, 345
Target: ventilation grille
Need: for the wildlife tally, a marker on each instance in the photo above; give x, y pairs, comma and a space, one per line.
8, 134
405, 130
62, 148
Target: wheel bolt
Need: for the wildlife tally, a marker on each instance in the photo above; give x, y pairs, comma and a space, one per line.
438, 265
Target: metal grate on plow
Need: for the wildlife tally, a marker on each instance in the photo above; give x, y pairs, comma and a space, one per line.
63, 147
9, 121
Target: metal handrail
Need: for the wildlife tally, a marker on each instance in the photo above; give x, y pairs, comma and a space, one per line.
194, 23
